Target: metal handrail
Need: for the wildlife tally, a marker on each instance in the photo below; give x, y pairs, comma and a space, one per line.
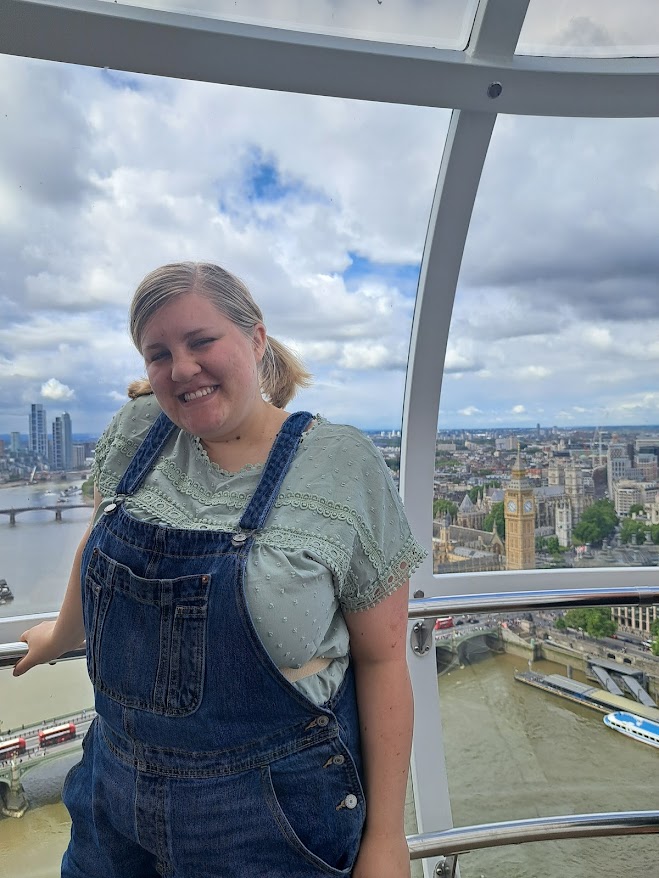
464, 839
520, 601
488, 602
10, 653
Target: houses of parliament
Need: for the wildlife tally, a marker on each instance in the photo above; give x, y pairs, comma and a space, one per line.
465, 548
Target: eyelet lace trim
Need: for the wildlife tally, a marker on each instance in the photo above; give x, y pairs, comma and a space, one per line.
406, 562
158, 505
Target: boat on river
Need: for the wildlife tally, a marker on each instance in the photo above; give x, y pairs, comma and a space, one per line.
5, 592
644, 730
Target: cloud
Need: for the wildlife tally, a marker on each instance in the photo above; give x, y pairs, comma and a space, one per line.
54, 389
321, 206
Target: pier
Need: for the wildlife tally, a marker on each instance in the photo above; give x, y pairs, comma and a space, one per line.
586, 695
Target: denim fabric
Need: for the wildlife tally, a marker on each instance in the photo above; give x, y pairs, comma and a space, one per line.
203, 761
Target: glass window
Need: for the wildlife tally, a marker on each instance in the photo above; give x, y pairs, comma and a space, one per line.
590, 28
549, 439
445, 24
510, 740
320, 205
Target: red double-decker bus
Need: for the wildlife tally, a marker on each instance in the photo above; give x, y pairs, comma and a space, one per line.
56, 735
444, 622
12, 748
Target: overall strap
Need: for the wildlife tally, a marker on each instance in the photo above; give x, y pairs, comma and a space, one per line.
146, 455
275, 469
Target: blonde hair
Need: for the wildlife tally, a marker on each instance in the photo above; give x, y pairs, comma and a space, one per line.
281, 373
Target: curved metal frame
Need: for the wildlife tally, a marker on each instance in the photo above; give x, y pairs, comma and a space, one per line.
190, 47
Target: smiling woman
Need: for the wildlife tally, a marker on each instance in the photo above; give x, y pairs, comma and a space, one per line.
282, 536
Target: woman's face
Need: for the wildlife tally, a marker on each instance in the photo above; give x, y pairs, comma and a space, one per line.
202, 368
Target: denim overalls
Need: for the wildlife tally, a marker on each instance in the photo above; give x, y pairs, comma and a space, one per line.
204, 761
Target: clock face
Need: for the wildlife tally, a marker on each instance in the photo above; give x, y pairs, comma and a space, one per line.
512, 506
528, 506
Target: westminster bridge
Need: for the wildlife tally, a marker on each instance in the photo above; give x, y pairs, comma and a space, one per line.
57, 509
464, 644
13, 801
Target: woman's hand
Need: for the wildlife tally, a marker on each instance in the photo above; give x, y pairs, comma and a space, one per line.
382, 857
42, 647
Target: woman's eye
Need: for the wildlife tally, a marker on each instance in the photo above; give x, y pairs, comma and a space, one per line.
160, 355
200, 342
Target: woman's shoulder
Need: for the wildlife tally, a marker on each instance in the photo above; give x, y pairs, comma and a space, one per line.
125, 432
135, 417
341, 435
346, 445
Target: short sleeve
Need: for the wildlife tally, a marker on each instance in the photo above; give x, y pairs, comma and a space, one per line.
120, 441
385, 553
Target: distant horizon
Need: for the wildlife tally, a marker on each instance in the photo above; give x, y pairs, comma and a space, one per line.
91, 436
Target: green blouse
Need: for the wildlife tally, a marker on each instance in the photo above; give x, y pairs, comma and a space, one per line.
336, 540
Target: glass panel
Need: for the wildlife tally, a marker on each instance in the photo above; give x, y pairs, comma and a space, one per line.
47, 697
548, 447
521, 731
590, 28
321, 205
443, 24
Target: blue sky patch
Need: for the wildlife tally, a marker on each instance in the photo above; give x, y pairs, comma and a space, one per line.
403, 275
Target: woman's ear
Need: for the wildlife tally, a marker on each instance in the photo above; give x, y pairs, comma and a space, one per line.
260, 340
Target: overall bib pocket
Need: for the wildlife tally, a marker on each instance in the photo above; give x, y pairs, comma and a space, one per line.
146, 638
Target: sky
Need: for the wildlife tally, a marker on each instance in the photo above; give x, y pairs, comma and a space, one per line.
321, 206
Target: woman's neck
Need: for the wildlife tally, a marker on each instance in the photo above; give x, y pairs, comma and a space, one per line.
249, 445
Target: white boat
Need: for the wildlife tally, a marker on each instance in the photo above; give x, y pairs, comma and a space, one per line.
636, 727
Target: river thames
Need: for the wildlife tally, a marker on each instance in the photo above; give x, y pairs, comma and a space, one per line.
512, 751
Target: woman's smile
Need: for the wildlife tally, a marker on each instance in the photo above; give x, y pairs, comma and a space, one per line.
198, 394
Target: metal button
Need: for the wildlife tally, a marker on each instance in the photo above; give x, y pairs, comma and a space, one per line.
350, 801
323, 721
339, 760
109, 508
238, 539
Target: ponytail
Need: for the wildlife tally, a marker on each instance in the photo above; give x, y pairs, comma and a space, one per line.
281, 374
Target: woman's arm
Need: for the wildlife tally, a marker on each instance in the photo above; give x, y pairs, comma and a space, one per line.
49, 640
384, 698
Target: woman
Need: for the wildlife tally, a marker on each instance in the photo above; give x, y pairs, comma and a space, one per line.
235, 553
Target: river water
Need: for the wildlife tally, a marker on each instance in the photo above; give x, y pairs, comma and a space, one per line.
512, 751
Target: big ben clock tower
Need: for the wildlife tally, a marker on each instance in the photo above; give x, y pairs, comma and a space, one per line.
519, 513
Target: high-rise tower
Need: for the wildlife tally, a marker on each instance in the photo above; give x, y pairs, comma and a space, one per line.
519, 513
62, 443
38, 430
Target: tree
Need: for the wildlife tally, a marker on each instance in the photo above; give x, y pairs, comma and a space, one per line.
496, 515
632, 527
560, 623
596, 621
637, 508
548, 544
441, 507
597, 523
473, 493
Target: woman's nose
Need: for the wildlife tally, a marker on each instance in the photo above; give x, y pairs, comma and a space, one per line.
184, 367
